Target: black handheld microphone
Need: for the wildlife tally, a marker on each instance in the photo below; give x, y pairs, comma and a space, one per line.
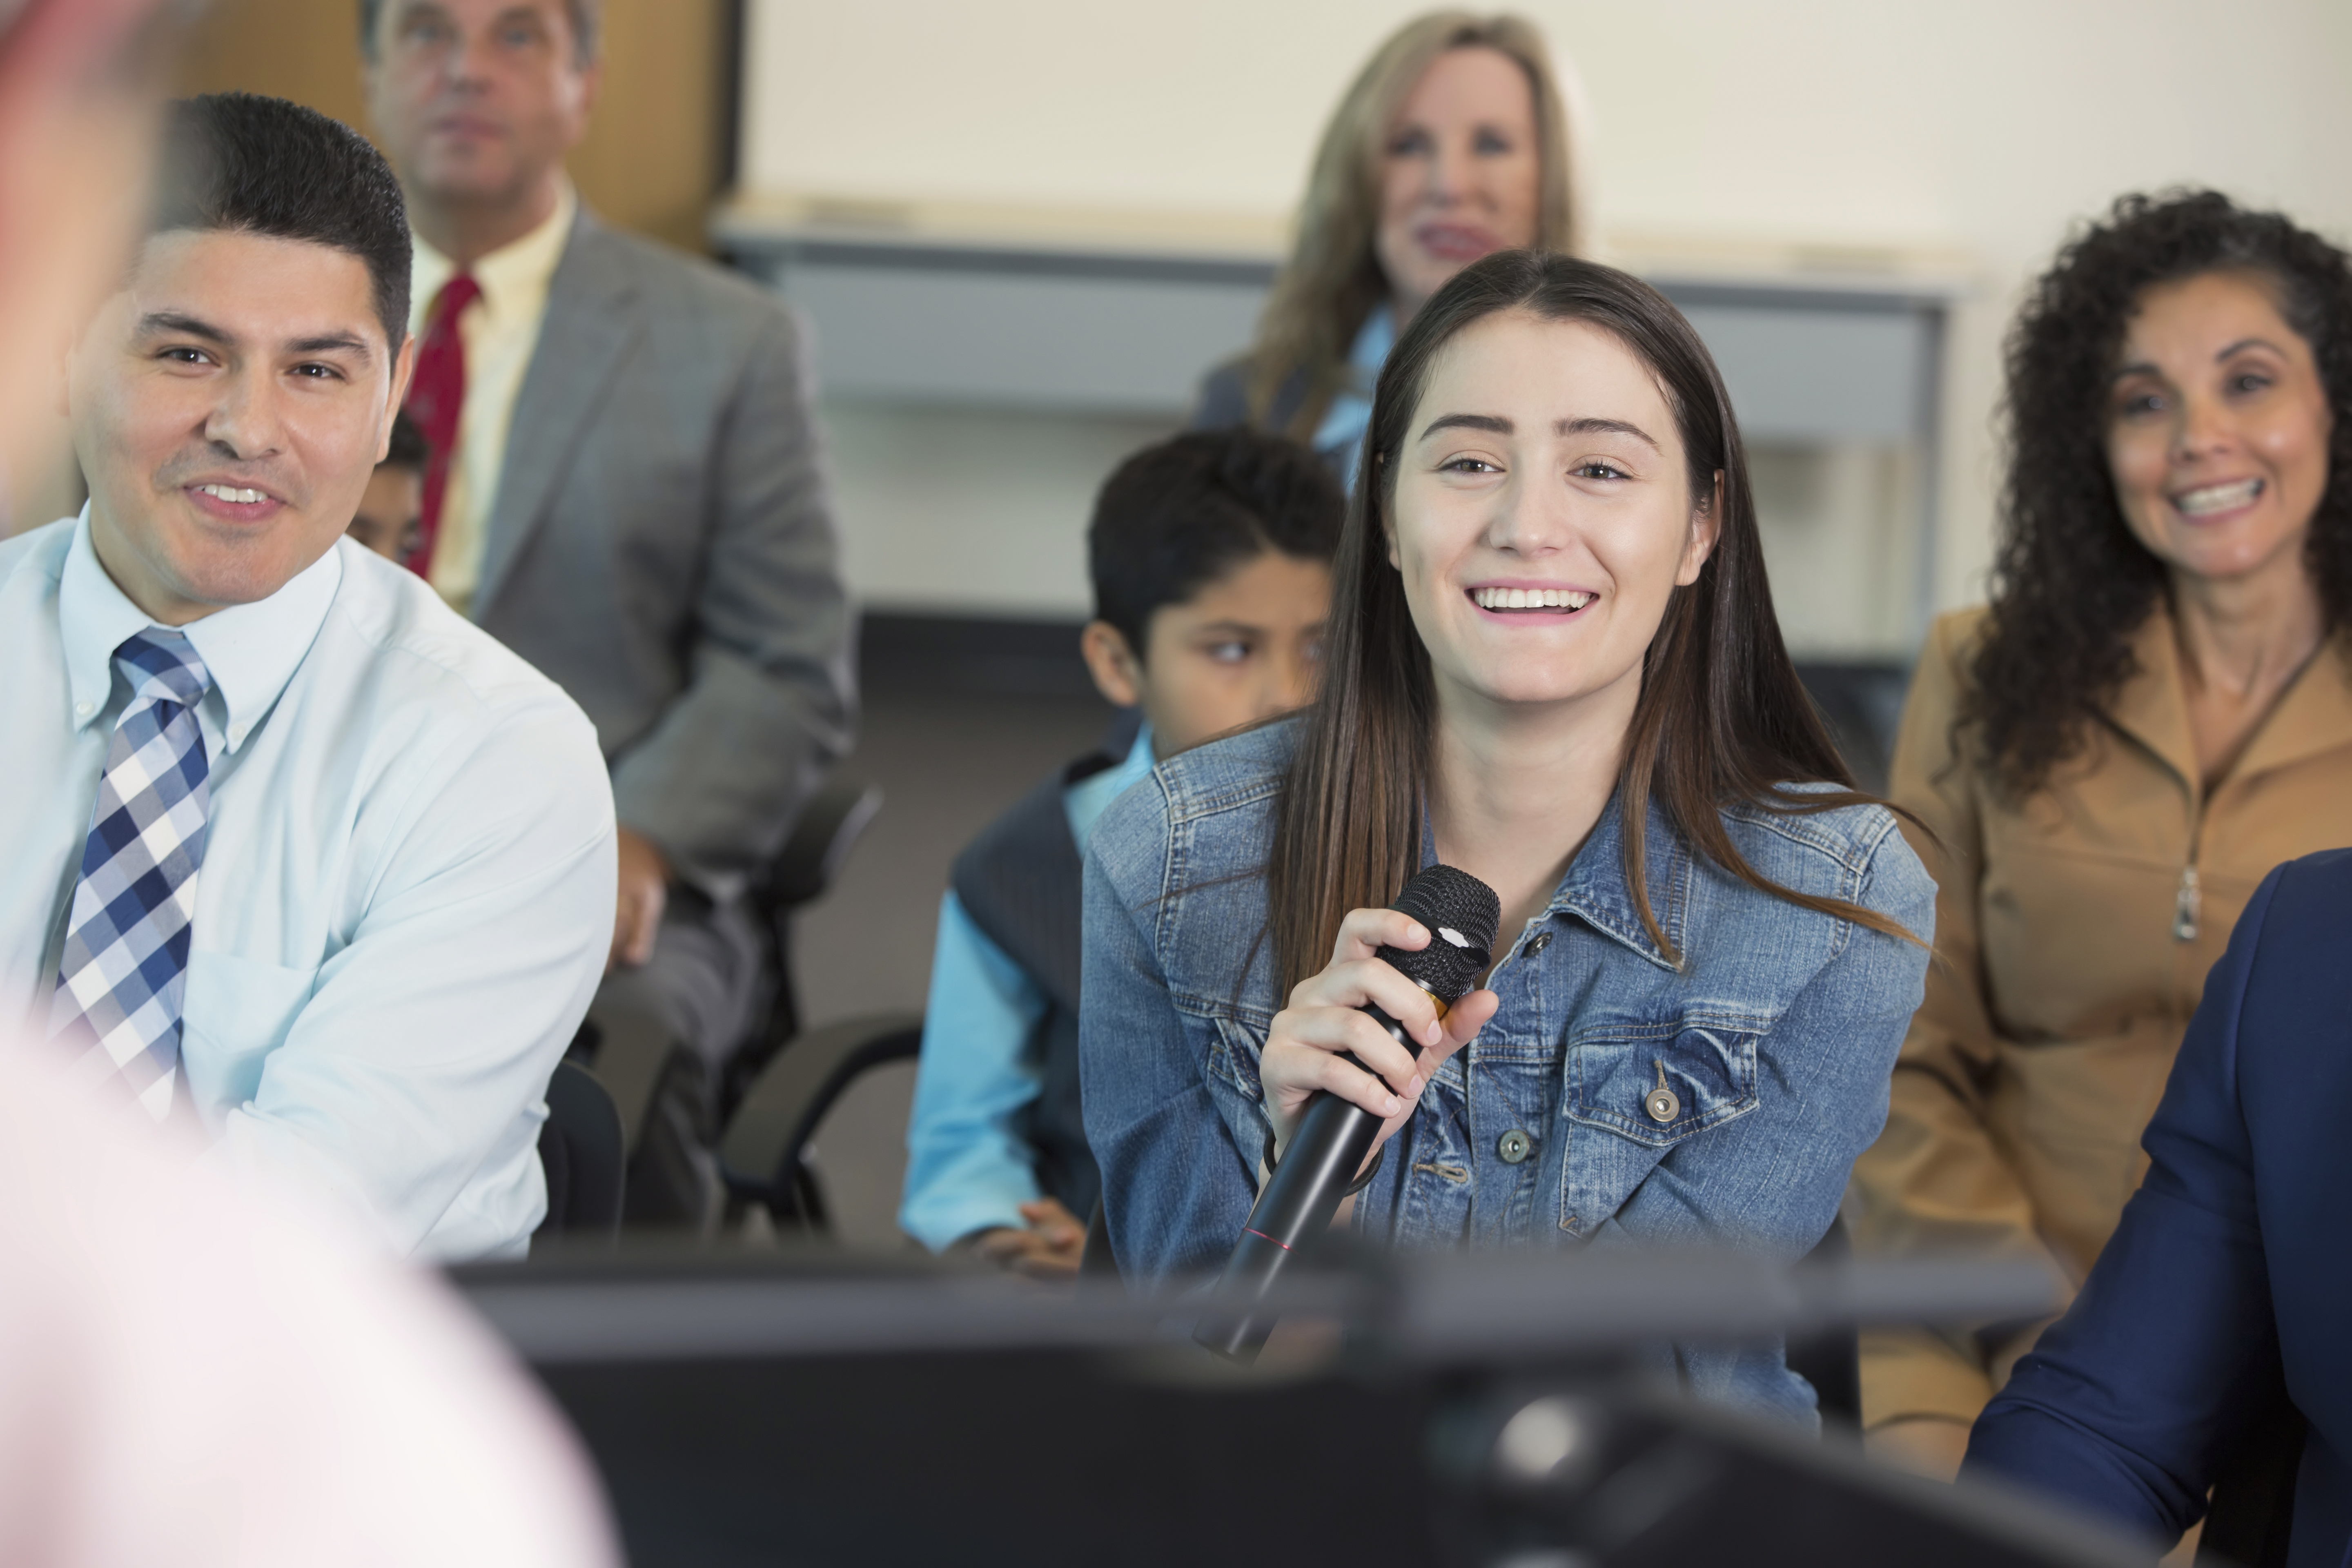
1333, 1135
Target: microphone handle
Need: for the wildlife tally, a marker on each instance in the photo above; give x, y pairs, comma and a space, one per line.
1327, 1149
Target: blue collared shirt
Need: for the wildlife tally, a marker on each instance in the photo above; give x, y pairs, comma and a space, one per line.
407, 890
968, 1168
1339, 440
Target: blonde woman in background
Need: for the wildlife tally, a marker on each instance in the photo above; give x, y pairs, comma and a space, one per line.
1456, 140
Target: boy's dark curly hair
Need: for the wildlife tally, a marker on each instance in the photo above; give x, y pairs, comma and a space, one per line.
1178, 514
2070, 581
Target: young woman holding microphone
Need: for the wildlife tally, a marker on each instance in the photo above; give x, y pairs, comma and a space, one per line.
1553, 664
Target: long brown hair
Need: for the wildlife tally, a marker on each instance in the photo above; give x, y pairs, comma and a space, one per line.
1721, 718
1332, 281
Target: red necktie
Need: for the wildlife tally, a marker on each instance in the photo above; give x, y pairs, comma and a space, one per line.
437, 398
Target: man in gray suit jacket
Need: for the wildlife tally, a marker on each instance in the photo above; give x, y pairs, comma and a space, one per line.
626, 491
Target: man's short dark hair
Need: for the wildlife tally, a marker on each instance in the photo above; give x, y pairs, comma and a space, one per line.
587, 28
408, 448
1175, 516
241, 164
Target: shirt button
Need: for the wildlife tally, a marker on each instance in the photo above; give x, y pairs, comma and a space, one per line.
236, 735
1514, 1146
83, 709
1542, 940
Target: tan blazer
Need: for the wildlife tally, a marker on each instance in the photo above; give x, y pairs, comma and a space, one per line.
2075, 931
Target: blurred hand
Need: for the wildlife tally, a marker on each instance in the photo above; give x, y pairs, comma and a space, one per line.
645, 893
1049, 1248
1930, 1446
1303, 1048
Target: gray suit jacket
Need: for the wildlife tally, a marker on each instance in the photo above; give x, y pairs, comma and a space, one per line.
662, 545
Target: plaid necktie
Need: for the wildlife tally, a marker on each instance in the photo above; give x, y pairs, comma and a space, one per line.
117, 1004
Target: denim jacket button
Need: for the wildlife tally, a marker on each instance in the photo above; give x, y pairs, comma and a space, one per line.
1514, 1146
1537, 943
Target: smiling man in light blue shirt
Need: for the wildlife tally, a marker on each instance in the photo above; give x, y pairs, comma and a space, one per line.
293, 855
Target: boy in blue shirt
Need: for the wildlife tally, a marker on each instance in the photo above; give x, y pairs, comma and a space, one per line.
1210, 555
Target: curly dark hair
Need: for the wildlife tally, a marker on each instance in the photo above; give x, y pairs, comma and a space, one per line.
2070, 581
1186, 510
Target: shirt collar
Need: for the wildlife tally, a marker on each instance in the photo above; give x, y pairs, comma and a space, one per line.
1087, 800
1596, 892
250, 651
2313, 715
1370, 349
2152, 704
511, 275
1351, 414
1594, 888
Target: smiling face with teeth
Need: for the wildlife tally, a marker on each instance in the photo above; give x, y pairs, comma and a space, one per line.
229, 407
1542, 515
2218, 428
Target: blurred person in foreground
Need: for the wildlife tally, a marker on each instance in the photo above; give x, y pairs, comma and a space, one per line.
390, 516
2229, 1280
190, 1374
2155, 709
1210, 556
184, 1376
627, 489
299, 859
1456, 140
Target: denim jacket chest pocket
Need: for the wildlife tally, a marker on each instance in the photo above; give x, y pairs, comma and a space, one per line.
1634, 1090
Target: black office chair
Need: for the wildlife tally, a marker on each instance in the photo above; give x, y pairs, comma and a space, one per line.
828, 829
580, 1148
1862, 705
2252, 1516
1830, 1360
629, 1054
762, 1153
1095, 1261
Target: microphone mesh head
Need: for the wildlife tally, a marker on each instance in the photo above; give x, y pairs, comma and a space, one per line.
1447, 901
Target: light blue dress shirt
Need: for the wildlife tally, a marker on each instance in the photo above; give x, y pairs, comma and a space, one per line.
1351, 414
407, 890
968, 1167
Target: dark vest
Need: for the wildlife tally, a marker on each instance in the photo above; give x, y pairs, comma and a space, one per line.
1020, 882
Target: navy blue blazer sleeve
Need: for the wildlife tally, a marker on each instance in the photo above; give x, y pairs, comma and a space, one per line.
2130, 1403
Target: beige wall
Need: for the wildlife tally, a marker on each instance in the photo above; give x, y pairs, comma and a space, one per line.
651, 160
1987, 126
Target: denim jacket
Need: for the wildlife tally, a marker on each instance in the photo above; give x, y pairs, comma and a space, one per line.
1777, 1034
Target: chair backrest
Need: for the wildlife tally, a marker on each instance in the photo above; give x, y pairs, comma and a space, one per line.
1095, 1261
579, 1147
828, 829
835, 817
760, 1155
2251, 1520
1830, 1360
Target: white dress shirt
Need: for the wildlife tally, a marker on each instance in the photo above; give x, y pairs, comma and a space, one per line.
407, 890
501, 332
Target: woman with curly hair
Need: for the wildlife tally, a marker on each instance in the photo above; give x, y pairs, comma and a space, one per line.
2154, 710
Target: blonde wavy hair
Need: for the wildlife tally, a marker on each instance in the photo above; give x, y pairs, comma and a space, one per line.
1332, 281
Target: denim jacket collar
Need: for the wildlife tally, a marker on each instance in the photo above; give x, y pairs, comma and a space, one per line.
1594, 888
